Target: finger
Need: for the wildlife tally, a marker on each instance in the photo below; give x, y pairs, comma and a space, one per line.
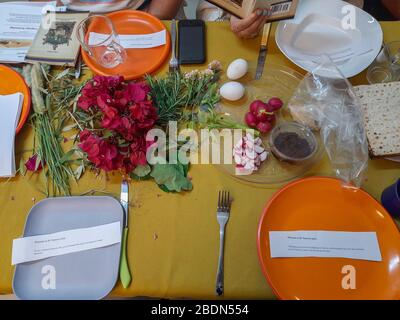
262, 23
242, 24
253, 30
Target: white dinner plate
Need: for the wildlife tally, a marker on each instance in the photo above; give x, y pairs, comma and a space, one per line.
317, 29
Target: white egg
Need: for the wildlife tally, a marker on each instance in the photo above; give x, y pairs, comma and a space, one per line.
237, 69
232, 91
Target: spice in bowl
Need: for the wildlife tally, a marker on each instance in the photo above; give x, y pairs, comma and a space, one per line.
293, 142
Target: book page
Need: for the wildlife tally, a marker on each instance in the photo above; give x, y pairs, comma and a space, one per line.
18, 26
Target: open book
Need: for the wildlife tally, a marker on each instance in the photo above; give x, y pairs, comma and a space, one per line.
280, 9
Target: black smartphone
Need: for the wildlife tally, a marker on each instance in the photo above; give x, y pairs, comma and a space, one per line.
191, 42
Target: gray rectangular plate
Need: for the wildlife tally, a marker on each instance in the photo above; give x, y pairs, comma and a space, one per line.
84, 275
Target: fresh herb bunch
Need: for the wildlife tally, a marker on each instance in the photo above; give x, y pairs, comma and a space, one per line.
53, 98
178, 97
167, 95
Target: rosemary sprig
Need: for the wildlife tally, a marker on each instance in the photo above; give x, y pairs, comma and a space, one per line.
167, 94
178, 97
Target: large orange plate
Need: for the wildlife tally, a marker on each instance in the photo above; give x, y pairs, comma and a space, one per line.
323, 204
139, 61
12, 82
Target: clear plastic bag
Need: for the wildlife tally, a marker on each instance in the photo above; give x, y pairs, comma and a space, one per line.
330, 105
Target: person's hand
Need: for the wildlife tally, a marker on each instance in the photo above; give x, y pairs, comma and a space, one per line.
249, 27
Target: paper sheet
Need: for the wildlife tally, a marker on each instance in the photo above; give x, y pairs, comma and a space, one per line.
49, 245
133, 41
19, 23
10, 111
325, 244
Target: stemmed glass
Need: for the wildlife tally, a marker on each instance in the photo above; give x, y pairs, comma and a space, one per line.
98, 38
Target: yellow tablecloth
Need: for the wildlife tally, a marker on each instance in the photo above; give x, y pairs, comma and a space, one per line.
174, 240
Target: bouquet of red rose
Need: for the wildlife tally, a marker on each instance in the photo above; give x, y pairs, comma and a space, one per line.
122, 113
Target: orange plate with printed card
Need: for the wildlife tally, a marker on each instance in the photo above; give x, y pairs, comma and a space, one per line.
139, 62
320, 203
12, 82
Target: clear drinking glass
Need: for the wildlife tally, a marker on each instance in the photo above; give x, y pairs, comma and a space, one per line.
98, 38
386, 67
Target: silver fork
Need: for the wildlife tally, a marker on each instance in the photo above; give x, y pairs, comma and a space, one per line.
223, 211
173, 63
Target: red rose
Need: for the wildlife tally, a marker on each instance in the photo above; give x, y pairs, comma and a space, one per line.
83, 135
138, 152
31, 164
136, 92
127, 113
99, 85
103, 100
111, 119
143, 114
120, 99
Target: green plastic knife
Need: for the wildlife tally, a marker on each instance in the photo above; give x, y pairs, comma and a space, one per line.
124, 272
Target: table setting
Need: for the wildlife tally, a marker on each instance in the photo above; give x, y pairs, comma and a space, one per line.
175, 160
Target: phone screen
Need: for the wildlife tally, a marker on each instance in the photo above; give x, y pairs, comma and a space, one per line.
191, 42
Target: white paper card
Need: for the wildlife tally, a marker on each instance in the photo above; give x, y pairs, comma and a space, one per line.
55, 244
10, 111
19, 22
133, 41
325, 244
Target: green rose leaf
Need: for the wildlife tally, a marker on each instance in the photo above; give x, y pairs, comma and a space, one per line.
142, 171
172, 177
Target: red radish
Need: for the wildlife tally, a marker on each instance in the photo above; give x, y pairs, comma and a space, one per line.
269, 108
271, 118
262, 113
264, 127
251, 120
275, 103
255, 105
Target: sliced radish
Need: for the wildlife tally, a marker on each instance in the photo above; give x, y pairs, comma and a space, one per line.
259, 149
249, 154
264, 156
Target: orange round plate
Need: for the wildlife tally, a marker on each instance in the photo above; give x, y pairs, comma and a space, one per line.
319, 203
12, 82
139, 61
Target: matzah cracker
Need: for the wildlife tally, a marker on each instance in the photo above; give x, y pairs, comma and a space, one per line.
381, 108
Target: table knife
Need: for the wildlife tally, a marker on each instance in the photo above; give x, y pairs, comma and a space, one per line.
78, 67
124, 272
263, 51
